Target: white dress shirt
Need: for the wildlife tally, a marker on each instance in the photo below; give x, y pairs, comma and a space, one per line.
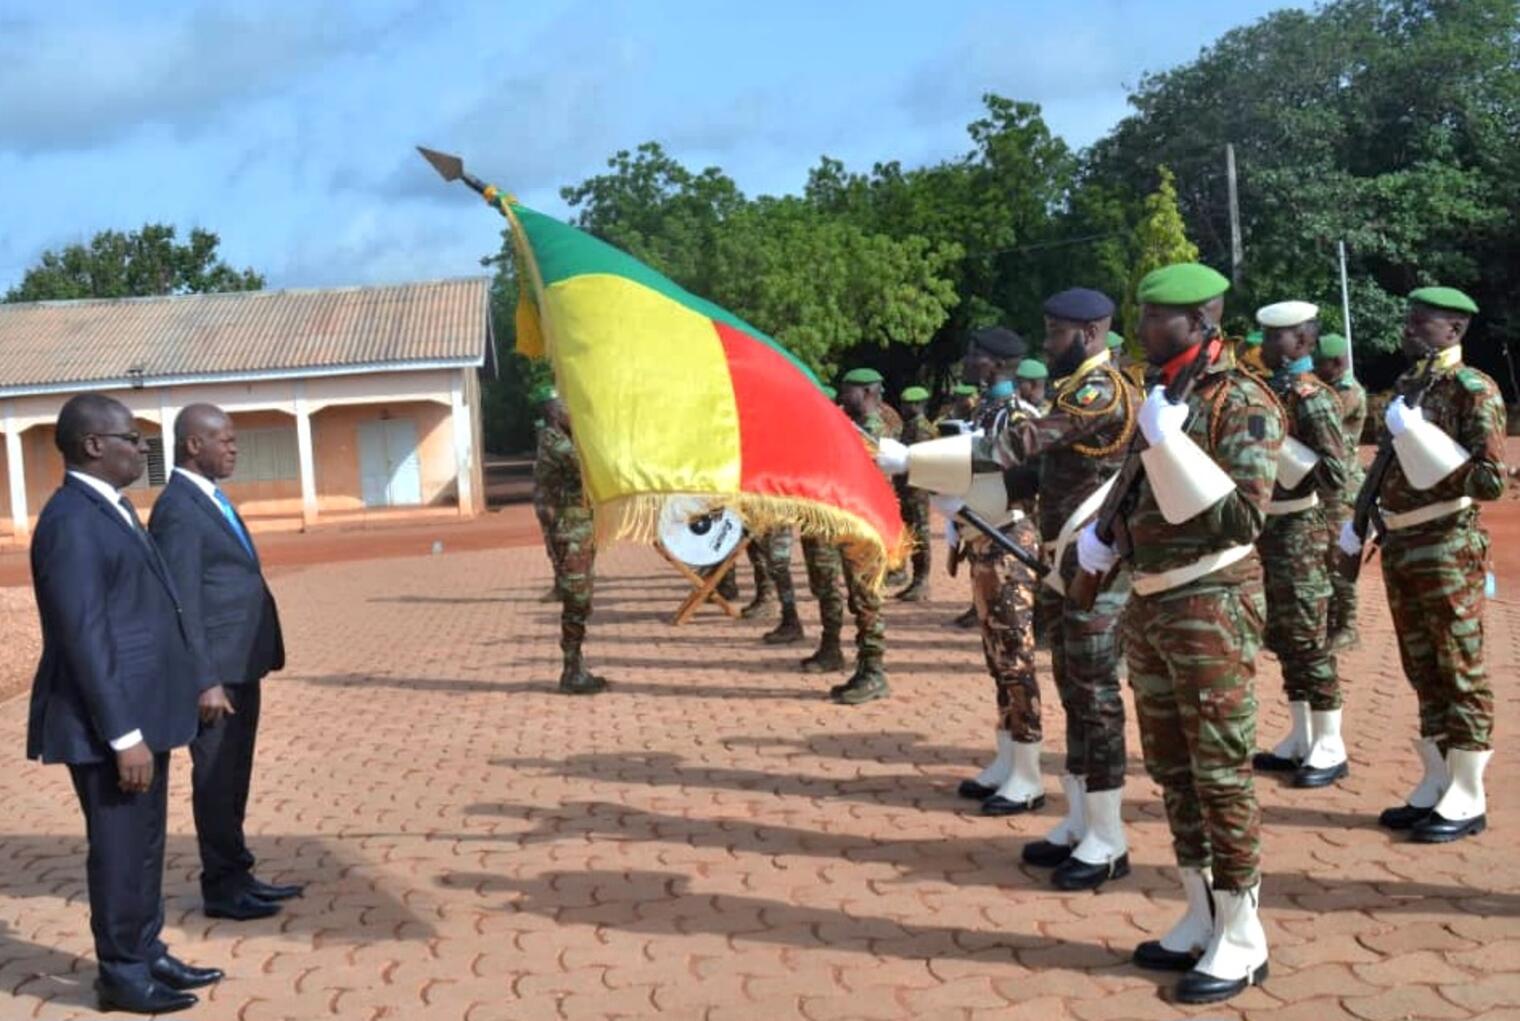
202, 483
112, 496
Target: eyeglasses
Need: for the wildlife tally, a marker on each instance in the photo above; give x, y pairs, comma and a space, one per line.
132, 438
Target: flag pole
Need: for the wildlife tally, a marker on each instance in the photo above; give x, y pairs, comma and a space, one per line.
1340, 247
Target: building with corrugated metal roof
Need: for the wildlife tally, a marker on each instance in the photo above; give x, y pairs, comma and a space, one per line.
347, 401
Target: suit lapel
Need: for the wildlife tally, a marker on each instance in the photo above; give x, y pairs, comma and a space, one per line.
141, 541
209, 507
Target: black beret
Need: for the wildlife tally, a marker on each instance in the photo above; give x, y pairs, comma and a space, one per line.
1000, 342
1079, 305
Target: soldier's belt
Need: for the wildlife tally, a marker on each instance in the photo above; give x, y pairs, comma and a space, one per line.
1429, 512
1084, 512
1279, 507
1165, 581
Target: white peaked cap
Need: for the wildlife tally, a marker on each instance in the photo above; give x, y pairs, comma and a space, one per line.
1286, 313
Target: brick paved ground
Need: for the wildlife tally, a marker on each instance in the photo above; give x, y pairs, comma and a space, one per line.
712, 840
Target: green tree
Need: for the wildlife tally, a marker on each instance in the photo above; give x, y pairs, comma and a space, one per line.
1160, 239
144, 262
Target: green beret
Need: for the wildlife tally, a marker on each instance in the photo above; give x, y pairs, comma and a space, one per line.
964, 390
1031, 369
544, 393
1114, 340
1332, 345
1182, 283
1445, 297
1254, 338
830, 392
914, 394
862, 377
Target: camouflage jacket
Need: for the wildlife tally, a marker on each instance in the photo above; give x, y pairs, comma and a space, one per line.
1236, 421
557, 484
1467, 406
875, 426
994, 416
1078, 444
1314, 419
1353, 400
917, 429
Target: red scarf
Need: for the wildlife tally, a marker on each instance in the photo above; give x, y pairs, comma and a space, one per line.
1175, 365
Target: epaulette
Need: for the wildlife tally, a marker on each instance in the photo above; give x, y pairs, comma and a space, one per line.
1473, 380
1123, 394
1085, 399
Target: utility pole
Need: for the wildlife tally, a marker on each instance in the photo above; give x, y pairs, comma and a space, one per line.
1340, 247
1237, 249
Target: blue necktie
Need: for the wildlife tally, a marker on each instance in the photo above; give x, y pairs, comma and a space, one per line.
232, 519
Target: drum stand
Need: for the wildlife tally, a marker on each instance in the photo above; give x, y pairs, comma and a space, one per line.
704, 590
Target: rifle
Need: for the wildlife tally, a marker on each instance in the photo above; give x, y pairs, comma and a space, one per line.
1366, 516
1084, 588
981, 524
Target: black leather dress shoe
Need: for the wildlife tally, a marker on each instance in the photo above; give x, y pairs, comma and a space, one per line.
1436, 829
244, 907
1266, 762
1306, 776
1152, 955
147, 998
1076, 874
1196, 987
1046, 854
176, 974
973, 791
274, 891
1405, 817
999, 805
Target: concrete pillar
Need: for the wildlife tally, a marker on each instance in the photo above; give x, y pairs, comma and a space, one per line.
21, 522
303, 450
463, 440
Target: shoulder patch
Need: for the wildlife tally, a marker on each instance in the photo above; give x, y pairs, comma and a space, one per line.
1475, 381
1086, 395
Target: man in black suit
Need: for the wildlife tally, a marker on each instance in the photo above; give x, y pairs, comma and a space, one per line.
115, 691
227, 609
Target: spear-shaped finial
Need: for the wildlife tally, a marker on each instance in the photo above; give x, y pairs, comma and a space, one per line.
451, 168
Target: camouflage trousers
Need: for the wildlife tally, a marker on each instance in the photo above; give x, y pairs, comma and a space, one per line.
1343, 605
1192, 665
1434, 577
1297, 579
770, 555
546, 528
1003, 592
827, 567
1084, 657
914, 504
573, 539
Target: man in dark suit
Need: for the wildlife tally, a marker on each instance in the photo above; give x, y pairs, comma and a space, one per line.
228, 610
115, 691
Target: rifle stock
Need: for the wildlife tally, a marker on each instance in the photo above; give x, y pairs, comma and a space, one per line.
1086, 585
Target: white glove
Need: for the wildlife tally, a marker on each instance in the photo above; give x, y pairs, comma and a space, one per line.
1160, 419
1347, 540
891, 456
1093, 554
1400, 417
949, 506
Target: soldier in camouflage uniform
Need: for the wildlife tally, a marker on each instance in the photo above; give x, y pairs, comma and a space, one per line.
915, 502
1002, 588
1449, 453
1033, 379
539, 397
776, 553
828, 566
557, 483
1311, 476
1332, 363
1079, 444
1192, 629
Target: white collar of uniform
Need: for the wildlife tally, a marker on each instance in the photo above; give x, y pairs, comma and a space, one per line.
111, 494
204, 484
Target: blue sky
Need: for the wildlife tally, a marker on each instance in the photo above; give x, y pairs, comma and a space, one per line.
288, 128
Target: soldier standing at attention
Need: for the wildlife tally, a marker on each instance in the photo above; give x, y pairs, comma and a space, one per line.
1311, 476
1449, 453
1078, 445
1032, 376
915, 502
557, 475
1192, 629
775, 561
860, 396
542, 395
1332, 363
1003, 589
